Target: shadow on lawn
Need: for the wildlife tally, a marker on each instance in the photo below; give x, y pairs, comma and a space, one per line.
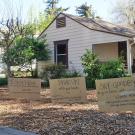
52, 121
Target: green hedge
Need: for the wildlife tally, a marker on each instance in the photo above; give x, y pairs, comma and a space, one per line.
3, 81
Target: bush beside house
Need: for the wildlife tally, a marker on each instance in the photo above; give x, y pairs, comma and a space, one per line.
93, 69
112, 69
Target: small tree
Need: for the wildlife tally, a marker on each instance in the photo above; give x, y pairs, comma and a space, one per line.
91, 67
10, 30
25, 51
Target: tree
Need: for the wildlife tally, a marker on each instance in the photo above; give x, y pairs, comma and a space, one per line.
86, 11
124, 12
52, 3
25, 50
10, 29
90, 63
52, 8
43, 21
49, 14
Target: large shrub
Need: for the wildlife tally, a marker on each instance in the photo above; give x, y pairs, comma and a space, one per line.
95, 70
91, 67
112, 69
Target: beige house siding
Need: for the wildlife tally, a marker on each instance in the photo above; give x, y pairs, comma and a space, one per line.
106, 51
80, 39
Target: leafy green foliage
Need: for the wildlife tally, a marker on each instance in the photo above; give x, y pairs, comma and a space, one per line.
49, 14
91, 64
25, 50
44, 20
112, 69
10, 29
91, 67
95, 70
40, 50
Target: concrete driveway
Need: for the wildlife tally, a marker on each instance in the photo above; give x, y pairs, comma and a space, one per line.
10, 131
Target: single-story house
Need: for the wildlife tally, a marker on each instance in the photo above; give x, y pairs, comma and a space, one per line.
69, 36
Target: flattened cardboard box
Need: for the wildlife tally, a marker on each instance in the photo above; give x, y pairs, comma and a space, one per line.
26, 88
68, 90
116, 95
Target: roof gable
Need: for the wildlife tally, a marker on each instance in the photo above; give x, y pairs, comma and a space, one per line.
98, 25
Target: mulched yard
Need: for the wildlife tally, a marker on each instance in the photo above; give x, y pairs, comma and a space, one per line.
62, 119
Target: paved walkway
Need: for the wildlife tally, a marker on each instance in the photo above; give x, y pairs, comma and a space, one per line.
10, 131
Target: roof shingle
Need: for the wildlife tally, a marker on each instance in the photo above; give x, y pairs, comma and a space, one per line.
100, 25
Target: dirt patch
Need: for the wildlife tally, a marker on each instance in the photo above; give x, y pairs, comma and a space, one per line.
64, 119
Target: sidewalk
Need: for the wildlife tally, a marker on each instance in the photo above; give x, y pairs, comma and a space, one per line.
10, 131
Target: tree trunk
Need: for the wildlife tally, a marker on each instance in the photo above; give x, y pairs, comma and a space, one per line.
9, 74
8, 64
34, 72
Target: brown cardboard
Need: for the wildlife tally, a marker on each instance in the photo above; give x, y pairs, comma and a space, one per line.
26, 88
116, 95
68, 90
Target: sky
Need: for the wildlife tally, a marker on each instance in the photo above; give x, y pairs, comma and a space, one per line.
103, 8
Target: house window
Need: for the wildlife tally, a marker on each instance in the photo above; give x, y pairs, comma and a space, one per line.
60, 22
61, 52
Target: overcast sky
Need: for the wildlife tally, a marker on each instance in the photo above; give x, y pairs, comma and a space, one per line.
102, 8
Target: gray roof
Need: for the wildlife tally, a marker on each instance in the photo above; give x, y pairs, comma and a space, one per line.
103, 26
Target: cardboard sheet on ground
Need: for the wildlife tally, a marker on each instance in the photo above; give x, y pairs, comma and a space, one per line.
116, 95
68, 90
24, 88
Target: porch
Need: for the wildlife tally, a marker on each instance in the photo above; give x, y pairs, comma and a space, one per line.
113, 50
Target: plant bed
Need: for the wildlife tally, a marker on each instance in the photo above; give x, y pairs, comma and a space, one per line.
61, 119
